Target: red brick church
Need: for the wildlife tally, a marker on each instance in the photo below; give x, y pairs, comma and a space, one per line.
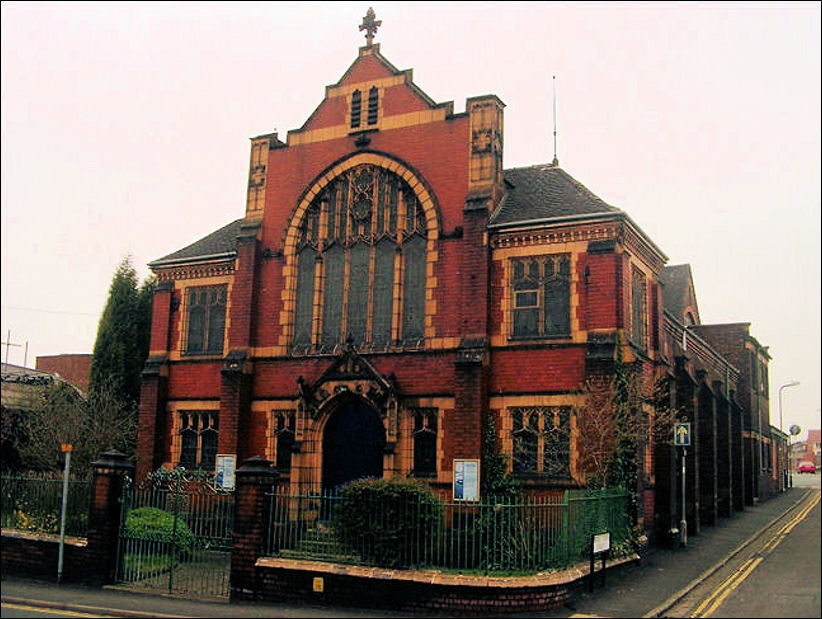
390, 286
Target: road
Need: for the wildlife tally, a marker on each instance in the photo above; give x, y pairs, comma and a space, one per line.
777, 576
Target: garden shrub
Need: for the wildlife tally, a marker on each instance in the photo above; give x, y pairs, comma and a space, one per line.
389, 522
157, 525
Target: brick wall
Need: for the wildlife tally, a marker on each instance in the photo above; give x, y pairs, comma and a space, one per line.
391, 590
35, 556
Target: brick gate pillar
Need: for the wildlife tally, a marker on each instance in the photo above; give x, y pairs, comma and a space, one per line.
104, 516
254, 479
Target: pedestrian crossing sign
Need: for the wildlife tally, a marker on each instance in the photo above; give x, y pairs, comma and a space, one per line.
682, 434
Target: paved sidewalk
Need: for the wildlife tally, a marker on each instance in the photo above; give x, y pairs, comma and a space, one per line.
630, 591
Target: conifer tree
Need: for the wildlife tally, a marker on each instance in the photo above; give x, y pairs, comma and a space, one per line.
121, 346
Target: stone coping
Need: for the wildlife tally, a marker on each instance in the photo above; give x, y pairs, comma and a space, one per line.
43, 537
437, 577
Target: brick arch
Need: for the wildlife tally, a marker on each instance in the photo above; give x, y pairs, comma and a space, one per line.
415, 181
312, 454
424, 195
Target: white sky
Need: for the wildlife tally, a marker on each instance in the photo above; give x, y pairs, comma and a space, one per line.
125, 130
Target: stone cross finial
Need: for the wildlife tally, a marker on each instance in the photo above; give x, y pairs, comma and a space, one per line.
370, 25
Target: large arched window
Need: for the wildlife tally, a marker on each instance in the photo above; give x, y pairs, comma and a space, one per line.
361, 262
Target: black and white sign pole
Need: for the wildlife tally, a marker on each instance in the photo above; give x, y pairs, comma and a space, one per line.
682, 438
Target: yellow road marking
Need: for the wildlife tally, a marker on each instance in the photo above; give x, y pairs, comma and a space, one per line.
725, 590
54, 611
713, 601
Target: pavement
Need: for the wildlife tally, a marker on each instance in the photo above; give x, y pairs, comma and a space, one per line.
641, 589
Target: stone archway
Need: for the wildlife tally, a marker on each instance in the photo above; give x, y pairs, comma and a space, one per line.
353, 444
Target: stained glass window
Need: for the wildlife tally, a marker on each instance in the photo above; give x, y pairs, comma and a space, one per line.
425, 442
541, 441
371, 253
198, 439
284, 434
541, 291
205, 331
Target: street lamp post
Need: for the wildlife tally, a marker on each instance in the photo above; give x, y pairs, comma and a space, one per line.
792, 383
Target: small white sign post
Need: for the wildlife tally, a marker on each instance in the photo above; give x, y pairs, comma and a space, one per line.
600, 546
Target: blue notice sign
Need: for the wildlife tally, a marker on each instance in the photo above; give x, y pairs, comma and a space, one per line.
682, 434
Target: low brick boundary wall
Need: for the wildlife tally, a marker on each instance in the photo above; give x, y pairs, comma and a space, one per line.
290, 580
35, 556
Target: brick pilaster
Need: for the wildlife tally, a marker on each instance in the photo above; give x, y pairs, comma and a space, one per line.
706, 436
151, 436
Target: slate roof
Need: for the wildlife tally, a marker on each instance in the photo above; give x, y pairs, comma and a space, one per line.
533, 193
545, 192
676, 281
223, 241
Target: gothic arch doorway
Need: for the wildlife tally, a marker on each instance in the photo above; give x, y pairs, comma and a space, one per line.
353, 444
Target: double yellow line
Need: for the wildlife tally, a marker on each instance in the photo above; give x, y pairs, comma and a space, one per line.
712, 602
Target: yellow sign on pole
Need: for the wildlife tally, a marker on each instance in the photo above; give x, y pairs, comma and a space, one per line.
65, 447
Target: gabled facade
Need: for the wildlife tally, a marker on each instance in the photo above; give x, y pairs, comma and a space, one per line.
389, 290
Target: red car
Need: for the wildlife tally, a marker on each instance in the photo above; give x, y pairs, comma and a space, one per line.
806, 467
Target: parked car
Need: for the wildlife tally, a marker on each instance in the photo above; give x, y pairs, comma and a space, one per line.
806, 467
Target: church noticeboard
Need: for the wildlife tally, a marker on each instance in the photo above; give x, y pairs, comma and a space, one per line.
466, 480
225, 472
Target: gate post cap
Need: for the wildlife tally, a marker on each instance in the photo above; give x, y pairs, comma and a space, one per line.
257, 465
112, 459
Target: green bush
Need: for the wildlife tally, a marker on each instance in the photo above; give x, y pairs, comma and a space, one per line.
156, 525
389, 523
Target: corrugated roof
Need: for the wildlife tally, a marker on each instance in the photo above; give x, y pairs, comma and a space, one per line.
545, 192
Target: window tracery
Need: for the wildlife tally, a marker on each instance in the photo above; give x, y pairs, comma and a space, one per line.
361, 264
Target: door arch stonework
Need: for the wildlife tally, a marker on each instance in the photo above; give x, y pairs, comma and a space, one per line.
353, 443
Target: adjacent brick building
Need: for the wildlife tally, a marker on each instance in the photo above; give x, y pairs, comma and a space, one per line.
391, 288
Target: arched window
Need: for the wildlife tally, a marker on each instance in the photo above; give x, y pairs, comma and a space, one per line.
361, 264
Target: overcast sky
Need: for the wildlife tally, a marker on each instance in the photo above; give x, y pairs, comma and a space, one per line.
125, 131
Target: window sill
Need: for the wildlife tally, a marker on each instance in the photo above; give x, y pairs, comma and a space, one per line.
201, 355
519, 339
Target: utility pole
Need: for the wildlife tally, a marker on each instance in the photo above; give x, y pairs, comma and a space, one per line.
8, 344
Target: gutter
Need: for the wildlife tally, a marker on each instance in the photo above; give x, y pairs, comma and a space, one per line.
195, 259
